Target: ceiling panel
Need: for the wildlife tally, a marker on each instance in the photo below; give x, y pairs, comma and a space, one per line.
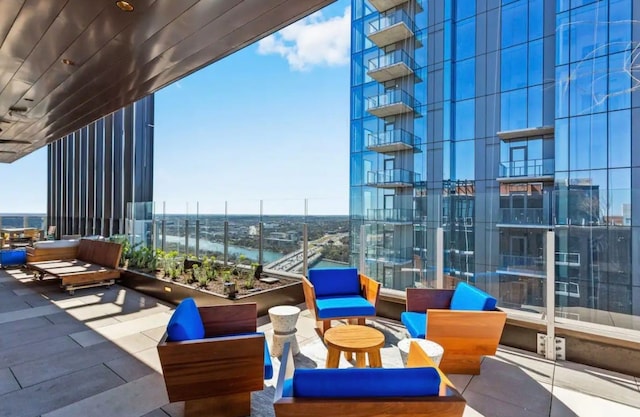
117, 57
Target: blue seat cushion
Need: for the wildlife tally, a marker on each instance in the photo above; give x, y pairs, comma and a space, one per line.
416, 323
344, 306
334, 281
268, 365
467, 297
365, 382
185, 323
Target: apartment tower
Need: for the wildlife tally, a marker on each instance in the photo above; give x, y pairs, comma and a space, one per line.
496, 122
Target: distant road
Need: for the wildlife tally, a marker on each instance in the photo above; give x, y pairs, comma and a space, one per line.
294, 261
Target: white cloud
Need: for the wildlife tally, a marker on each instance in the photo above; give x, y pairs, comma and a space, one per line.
312, 41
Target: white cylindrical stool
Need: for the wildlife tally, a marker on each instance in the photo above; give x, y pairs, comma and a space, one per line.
432, 349
283, 320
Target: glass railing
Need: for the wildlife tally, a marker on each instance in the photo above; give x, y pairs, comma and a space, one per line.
390, 215
524, 216
22, 228
382, 254
593, 257
392, 176
524, 264
391, 137
386, 20
396, 57
389, 98
530, 168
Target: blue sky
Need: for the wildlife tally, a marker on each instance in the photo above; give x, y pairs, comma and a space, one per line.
270, 122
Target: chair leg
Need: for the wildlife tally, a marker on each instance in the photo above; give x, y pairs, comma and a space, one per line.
232, 405
323, 326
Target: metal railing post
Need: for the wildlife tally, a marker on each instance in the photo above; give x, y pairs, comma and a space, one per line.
305, 242
439, 257
186, 237
260, 235
363, 234
550, 246
198, 239
226, 235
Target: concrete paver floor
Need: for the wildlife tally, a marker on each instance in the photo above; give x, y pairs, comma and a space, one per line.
94, 354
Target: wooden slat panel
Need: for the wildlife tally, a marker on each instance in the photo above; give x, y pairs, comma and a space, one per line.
421, 299
209, 367
371, 289
229, 319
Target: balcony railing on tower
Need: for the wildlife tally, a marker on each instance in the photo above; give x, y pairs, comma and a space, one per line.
391, 103
384, 5
532, 168
391, 141
390, 28
390, 66
390, 215
392, 178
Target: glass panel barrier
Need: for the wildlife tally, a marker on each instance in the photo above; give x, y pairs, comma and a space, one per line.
328, 232
283, 231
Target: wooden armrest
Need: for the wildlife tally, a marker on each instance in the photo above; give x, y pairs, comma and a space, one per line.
203, 368
421, 299
309, 295
370, 289
229, 319
418, 358
458, 330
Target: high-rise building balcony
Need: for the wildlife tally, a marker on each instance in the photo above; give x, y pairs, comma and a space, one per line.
522, 265
391, 103
534, 169
388, 255
390, 66
392, 178
391, 141
384, 5
523, 217
390, 215
390, 28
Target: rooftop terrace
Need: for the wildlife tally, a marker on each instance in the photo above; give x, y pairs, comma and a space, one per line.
94, 353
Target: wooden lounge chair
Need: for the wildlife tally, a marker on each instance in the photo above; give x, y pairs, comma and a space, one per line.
421, 390
340, 293
212, 358
464, 321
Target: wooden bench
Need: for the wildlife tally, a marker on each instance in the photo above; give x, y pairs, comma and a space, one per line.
96, 263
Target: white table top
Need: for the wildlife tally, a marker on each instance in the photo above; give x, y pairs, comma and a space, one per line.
284, 311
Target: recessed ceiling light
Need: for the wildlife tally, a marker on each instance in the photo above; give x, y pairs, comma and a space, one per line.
66, 61
125, 6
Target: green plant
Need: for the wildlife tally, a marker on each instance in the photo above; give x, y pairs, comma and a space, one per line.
198, 274
226, 275
250, 282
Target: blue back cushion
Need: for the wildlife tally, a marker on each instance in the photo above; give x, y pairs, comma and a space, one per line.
365, 382
185, 323
335, 281
416, 323
467, 297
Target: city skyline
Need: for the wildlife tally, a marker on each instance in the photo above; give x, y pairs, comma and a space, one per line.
210, 107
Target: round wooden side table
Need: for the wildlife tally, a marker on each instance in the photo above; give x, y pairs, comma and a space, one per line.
361, 340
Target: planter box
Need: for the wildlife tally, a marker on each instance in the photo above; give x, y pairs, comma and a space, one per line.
174, 292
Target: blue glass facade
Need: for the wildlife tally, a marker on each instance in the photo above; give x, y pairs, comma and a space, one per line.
497, 121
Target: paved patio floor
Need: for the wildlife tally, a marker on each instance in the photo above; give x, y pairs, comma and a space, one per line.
94, 354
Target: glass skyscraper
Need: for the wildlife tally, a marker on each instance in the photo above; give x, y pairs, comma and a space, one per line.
498, 121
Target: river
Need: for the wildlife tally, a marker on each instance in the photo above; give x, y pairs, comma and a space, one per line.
268, 256
252, 254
